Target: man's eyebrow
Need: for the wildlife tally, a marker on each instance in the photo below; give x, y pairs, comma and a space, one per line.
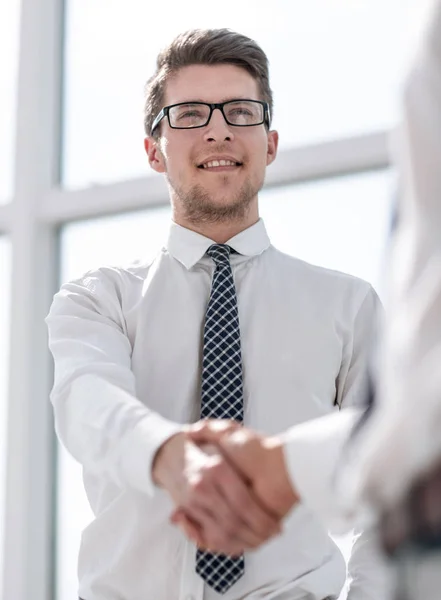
206, 102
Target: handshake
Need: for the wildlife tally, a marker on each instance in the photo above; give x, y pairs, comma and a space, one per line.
229, 484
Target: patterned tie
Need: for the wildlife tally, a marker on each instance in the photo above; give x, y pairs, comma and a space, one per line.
222, 391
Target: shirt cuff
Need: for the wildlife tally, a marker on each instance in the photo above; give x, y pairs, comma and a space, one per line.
144, 441
312, 451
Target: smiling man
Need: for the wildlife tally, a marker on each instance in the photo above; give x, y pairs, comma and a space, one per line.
219, 325
216, 155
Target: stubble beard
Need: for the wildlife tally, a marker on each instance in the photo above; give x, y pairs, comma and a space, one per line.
197, 205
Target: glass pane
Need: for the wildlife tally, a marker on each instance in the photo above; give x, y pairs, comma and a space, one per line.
335, 70
340, 223
141, 234
5, 266
9, 23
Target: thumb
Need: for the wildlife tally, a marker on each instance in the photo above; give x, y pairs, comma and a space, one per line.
240, 449
211, 431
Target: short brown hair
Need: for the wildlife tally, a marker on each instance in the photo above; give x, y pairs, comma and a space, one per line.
205, 47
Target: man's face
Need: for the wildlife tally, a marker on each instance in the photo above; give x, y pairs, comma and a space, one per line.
205, 192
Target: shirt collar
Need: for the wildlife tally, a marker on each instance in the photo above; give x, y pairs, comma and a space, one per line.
189, 247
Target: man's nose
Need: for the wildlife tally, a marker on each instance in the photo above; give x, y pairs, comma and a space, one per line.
218, 129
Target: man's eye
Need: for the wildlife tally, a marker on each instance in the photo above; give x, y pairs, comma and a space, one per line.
240, 111
190, 114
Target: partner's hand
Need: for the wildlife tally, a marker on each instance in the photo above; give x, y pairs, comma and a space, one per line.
221, 509
260, 459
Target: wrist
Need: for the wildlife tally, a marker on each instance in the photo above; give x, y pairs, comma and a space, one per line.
166, 458
278, 468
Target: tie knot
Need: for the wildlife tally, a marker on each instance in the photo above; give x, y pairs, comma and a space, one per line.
220, 253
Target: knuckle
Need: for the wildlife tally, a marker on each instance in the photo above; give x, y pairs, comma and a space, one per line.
232, 527
199, 486
261, 520
217, 470
265, 525
235, 550
218, 540
241, 498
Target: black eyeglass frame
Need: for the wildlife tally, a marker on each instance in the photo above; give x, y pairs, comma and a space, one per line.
165, 112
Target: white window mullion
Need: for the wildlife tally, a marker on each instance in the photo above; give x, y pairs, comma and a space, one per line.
334, 158
29, 488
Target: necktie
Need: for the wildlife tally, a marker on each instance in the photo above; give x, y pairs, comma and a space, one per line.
222, 390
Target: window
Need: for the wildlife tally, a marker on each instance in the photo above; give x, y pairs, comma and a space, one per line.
340, 223
5, 260
335, 69
9, 22
318, 222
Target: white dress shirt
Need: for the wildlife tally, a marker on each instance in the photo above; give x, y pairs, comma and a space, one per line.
127, 346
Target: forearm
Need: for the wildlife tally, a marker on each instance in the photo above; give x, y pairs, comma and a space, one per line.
97, 414
110, 432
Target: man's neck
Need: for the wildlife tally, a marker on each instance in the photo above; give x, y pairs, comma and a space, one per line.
218, 232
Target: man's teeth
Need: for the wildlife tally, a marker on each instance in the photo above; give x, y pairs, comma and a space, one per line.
219, 163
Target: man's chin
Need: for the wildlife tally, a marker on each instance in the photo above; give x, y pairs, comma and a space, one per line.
217, 203
228, 202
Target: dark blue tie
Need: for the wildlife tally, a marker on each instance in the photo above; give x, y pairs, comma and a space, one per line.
222, 390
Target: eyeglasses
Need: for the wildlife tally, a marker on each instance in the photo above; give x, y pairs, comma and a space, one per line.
190, 115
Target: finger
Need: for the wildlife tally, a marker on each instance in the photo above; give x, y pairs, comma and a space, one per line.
235, 527
210, 431
190, 527
217, 504
223, 529
176, 515
194, 533
216, 533
210, 449
254, 523
219, 526
208, 508
233, 508
236, 509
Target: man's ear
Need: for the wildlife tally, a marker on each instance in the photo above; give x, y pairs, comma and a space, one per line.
273, 142
154, 154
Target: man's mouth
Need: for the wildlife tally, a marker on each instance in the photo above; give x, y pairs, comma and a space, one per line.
219, 164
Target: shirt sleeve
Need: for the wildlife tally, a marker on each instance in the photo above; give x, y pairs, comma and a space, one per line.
402, 438
312, 452
98, 417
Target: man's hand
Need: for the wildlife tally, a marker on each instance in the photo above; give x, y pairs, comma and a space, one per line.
221, 509
259, 459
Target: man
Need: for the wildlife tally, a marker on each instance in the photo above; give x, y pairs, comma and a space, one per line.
395, 456
220, 325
